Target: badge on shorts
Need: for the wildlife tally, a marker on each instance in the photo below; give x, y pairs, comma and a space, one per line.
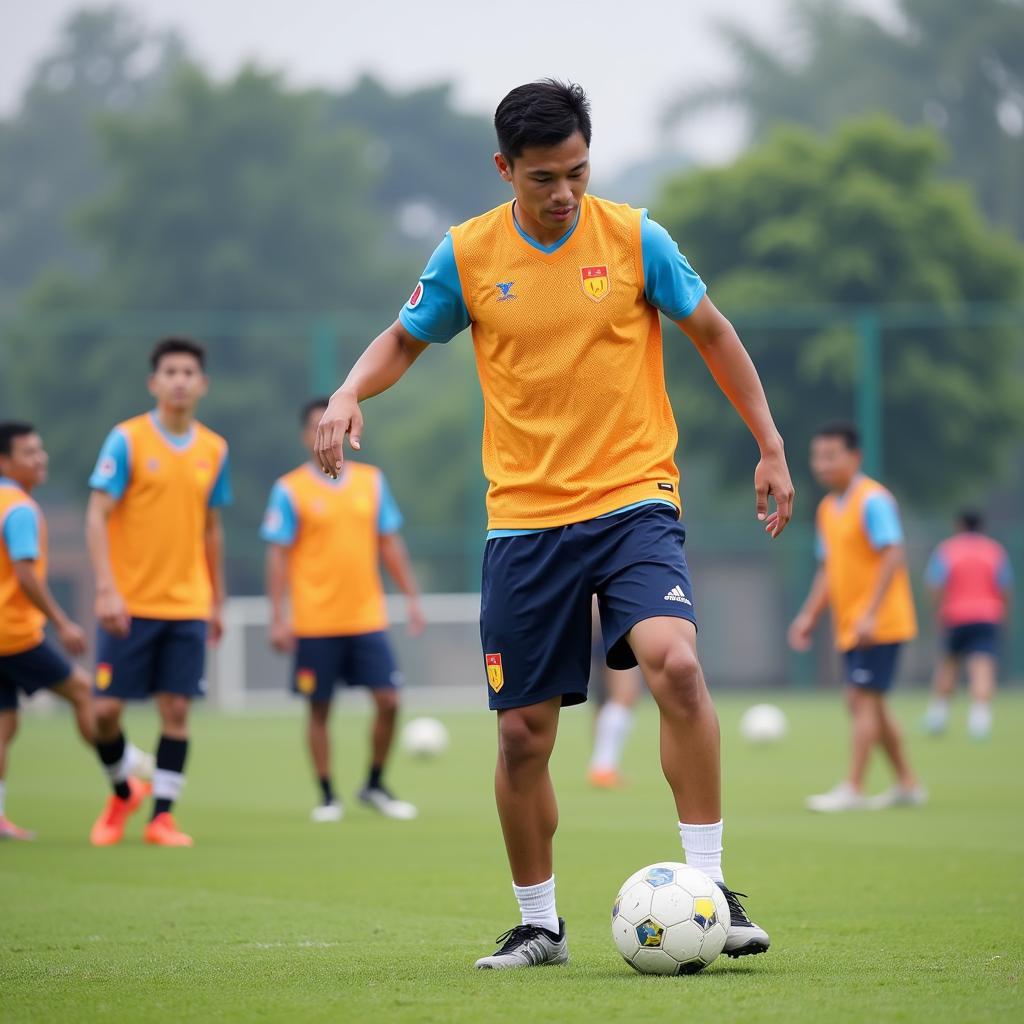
305, 680
495, 676
596, 282
104, 675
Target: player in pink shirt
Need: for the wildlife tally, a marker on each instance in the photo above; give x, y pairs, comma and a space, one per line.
971, 580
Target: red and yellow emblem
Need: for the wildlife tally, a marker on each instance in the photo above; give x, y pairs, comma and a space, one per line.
305, 680
104, 675
495, 676
596, 282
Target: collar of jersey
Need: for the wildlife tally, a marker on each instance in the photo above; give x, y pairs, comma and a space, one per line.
546, 252
179, 442
6, 481
841, 499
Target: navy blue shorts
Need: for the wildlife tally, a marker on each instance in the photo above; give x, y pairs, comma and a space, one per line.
362, 660
872, 668
157, 656
973, 638
35, 669
535, 601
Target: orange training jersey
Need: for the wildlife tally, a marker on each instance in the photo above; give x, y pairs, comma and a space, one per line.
852, 562
165, 487
332, 530
21, 622
577, 422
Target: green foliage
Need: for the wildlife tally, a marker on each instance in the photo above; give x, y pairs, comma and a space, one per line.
862, 218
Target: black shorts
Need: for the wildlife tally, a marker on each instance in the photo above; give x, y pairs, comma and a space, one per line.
872, 668
157, 656
365, 659
38, 668
973, 638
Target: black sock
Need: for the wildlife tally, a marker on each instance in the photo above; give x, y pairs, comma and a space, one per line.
111, 752
373, 779
326, 789
170, 757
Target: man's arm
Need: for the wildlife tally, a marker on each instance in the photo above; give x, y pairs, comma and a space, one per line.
213, 542
813, 608
110, 607
383, 363
893, 556
722, 351
395, 557
281, 637
72, 636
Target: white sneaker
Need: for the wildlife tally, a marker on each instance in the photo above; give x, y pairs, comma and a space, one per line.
979, 722
382, 800
328, 812
841, 797
898, 796
935, 721
526, 945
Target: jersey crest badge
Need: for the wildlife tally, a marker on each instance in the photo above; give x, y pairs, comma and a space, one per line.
596, 283
495, 677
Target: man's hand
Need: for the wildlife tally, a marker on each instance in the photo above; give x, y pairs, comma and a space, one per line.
800, 632
771, 478
342, 417
417, 621
215, 626
112, 614
282, 639
864, 629
72, 638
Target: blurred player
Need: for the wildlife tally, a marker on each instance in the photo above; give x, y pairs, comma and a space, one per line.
862, 576
28, 662
156, 544
564, 293
326, 540
970, 577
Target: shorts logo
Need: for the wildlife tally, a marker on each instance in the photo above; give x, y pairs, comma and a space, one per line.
861, 676
495, 677
305, 680
505, 287
417, 294
596, 283
104, 675
676, 594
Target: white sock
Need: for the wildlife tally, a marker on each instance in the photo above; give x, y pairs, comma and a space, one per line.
537, 904
3, 796
613, 724
702, 845
979, 719
167, 785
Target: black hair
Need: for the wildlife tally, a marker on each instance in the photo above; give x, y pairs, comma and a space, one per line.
971, 520
541, 113
174, 346
313, 403
845, 432
9, 430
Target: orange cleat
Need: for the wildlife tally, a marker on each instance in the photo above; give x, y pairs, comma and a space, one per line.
8, 830
109, 827
162, 831
605, 778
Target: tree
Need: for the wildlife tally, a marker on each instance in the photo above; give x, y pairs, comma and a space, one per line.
862, 218
958, 67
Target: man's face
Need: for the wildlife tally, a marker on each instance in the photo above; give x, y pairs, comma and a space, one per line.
549, 182
178, 382
28, 462
309, 429
832, 463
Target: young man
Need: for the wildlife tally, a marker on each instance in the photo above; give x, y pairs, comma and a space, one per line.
155, 539
28, 662
563, 292
862, 576
970, 578
326, 539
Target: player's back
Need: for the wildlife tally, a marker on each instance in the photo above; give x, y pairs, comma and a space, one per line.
21, 622
974, 590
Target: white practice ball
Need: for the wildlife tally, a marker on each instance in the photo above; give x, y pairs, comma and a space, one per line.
763, 723
424, 737
670, 919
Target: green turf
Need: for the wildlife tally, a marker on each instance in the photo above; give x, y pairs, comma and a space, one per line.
897, 916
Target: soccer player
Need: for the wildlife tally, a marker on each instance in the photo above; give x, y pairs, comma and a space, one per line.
971, 580
563, 292
326, 538
862, 576
156, 543
28, 662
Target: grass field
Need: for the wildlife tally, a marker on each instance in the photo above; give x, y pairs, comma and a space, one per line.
912, 915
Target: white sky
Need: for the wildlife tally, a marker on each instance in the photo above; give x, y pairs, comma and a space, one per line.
631, 55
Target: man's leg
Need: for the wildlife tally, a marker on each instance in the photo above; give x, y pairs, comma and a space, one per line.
614, 721
981, 679
943, 684
77, 691
8, 730
171, 753
866, 729
891, 737
374, 793
319, 740
111, 744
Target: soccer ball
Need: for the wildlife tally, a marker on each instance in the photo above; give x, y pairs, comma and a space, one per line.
763, 723
670, 919
425, 737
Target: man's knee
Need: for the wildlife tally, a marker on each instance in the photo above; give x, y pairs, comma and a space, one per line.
522, 739
681, 682
386, 700
174, 712
108, 717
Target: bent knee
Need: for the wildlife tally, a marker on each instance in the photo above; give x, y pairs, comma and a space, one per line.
519, 741
681, 681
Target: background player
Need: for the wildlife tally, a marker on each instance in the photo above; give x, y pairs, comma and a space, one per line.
862, 576
156, 544
563, 291
970, 578
28, 662
326, 539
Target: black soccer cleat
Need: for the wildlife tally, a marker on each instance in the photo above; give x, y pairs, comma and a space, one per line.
745, 937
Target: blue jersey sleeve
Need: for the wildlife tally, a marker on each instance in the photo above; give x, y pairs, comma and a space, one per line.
1004, 575
389, 518
819, 546
936, 572
436, 311
221, 495
670, 283
112, 473
280, 523
21, 534
882, 521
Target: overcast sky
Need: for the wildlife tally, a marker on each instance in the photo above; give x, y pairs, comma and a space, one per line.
631, 55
